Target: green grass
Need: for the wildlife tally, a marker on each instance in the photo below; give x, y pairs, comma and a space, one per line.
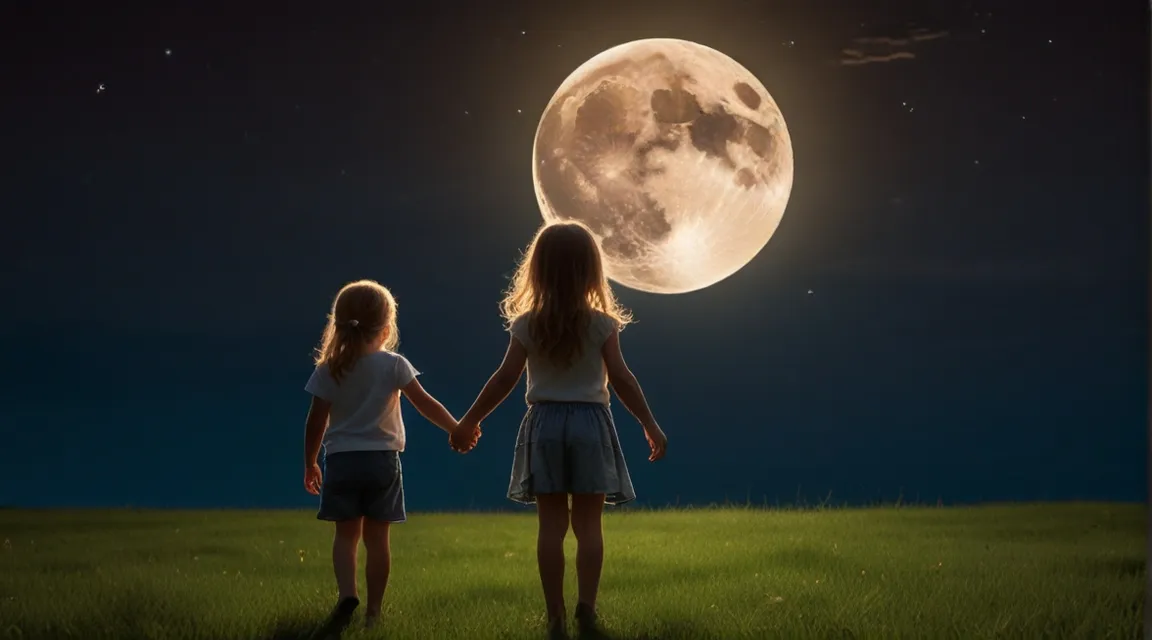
1026, 571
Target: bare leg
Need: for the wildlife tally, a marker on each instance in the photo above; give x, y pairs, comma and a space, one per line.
344, 547
552, 510
586, 525
376, 541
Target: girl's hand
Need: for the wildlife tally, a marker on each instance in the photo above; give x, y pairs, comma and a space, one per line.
313, 479
464, 437
657, 441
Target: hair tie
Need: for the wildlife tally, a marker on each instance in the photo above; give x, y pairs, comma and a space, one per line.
353, 323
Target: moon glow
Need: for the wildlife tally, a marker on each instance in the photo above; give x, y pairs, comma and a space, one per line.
675, 156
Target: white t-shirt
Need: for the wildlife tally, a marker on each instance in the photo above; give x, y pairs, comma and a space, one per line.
585, 380
365, 412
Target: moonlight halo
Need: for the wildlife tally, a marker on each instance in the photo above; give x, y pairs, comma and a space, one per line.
675, 156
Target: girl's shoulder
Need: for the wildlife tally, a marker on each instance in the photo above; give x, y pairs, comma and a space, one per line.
518, 327
602, 317
395, 364
384, 358
602, 326
390, 356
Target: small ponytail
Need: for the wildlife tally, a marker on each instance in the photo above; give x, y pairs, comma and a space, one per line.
362, 312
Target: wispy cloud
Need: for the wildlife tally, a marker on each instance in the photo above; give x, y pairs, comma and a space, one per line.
852, 56
877, 49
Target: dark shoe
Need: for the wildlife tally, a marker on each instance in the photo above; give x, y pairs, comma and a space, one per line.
339, 619
556, 629
586, 621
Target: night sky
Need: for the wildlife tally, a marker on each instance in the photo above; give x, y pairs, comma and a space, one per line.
953, 308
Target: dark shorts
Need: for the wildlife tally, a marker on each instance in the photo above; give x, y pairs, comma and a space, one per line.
367, 484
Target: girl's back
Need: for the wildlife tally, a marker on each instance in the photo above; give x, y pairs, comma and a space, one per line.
583, 380
365, 413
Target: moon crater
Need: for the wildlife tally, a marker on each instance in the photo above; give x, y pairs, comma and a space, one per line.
674, 155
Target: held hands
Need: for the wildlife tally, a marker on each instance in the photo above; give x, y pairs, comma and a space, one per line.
657, 441
313, 479
464, 437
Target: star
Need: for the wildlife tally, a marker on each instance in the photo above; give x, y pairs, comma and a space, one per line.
467, 113
810, 292
100, 88
168, 52
975, 162
519, 111
523, 33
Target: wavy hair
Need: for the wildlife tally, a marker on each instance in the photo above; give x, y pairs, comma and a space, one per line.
560, 282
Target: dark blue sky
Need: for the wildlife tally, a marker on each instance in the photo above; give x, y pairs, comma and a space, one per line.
978, 256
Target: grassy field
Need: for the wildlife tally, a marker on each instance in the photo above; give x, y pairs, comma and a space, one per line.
1027, 571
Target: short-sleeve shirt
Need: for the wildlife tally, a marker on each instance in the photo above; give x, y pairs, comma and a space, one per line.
365, 413
585, 380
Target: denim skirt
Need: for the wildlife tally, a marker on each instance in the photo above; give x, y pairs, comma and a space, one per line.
569, 447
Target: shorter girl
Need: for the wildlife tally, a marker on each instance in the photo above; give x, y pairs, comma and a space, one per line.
565, 326
356, 412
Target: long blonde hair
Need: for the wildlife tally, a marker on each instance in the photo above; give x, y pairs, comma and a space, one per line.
560, 281
363, 314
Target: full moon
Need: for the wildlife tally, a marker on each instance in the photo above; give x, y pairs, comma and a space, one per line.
675, 156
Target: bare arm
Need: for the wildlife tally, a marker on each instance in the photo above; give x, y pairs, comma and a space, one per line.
624, 382
428, 406
629, 392
314, 427
499, 385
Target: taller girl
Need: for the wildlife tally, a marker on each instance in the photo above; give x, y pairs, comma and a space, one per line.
565, 326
